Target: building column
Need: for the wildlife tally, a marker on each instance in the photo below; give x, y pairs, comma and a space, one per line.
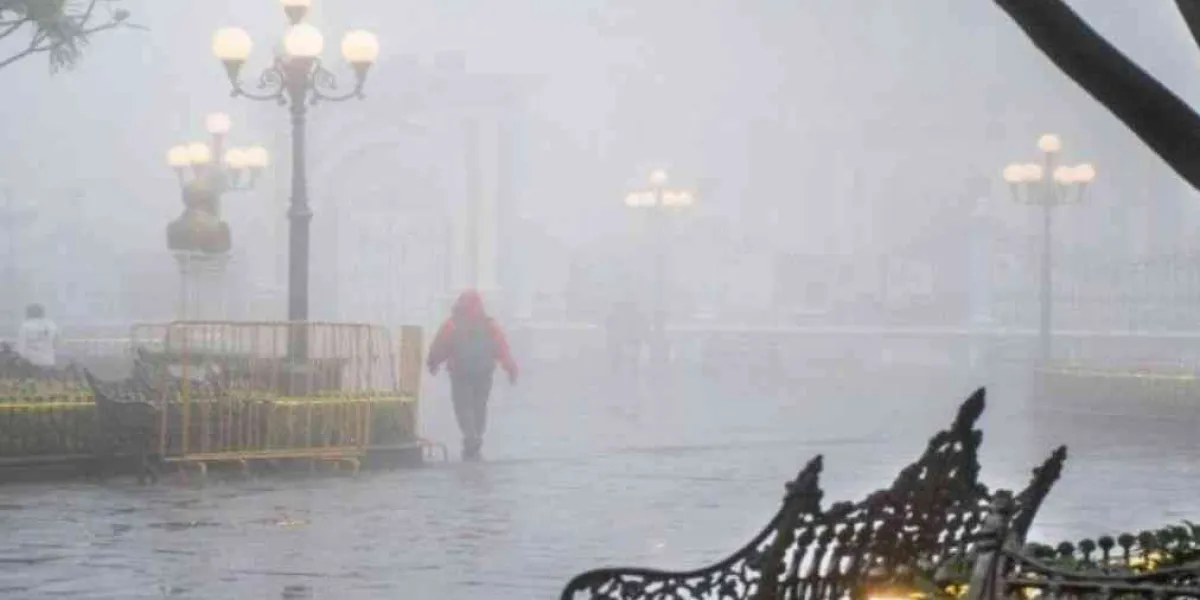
478, 229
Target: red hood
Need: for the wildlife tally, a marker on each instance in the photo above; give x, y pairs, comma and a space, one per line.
469, 306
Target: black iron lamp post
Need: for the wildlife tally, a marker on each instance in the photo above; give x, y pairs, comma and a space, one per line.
659, 201
1048, 184
297, 79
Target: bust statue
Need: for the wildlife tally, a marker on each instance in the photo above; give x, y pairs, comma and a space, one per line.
199, 228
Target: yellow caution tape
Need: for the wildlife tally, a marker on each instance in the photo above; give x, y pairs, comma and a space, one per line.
45, 406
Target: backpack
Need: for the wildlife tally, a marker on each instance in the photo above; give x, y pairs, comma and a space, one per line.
473, 349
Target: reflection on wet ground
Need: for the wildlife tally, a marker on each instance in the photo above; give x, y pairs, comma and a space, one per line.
576, 477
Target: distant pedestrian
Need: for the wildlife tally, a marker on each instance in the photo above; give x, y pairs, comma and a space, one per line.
37, 340
471, 344
624, 329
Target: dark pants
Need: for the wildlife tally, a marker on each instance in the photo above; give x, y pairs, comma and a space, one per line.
470, 397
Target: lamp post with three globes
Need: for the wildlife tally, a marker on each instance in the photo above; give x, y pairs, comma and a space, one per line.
658, 201
1048, 184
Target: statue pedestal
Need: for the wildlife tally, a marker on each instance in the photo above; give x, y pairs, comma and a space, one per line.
202, 293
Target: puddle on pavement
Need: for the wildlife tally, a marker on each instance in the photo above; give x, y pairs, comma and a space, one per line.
183, 525
284, 522
297, 592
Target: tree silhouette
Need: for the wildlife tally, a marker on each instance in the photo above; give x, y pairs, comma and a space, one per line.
59, 28
1164, 122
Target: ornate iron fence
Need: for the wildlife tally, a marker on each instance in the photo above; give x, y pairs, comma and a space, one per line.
1004, 568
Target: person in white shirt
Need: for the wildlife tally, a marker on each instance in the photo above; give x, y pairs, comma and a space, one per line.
37, 340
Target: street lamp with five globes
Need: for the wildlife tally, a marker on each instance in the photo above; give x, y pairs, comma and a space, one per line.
238, 169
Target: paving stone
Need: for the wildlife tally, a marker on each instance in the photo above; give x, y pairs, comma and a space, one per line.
578, 475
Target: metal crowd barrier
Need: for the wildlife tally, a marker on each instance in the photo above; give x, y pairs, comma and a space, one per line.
229, 392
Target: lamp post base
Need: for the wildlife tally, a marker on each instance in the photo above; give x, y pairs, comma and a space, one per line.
300, 378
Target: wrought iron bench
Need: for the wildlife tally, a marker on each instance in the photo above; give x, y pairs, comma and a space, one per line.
927, 519
126, 425
1004, 568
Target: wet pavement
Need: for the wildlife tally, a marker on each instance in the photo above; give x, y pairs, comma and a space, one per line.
577, 476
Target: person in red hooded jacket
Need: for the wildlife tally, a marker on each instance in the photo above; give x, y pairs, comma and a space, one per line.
470, 343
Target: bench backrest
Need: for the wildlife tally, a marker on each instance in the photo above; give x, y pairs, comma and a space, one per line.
931, 515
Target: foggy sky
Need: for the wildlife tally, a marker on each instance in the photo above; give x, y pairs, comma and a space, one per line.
814, 124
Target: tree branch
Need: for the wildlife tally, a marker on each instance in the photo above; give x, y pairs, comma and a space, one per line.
1164, 122
43, 41
87, 14
1190, 11
37, 46
11, 26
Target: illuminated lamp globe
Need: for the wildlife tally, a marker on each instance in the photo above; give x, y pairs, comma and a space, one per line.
1014, 173
360, 47
677, 198
303, 41
658, 177
235, 158
232, 44
218, 123
1033, 172
1085, 173
1064, 175
256, 157
1049, 143
178, 157
199, 154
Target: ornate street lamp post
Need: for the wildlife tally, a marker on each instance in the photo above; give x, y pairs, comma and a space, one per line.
1048, 184
199, 239
297, 79
659, 201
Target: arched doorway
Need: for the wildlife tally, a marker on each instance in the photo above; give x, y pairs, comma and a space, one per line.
382, 232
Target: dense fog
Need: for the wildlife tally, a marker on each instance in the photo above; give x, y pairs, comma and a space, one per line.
853, 129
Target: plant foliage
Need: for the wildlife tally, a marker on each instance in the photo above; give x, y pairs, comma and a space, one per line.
61, 29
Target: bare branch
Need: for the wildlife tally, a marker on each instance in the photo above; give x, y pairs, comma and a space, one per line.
63, 36
38, 46
11, 26
1164, 122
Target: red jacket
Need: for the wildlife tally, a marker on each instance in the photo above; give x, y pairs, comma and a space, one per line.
469, 307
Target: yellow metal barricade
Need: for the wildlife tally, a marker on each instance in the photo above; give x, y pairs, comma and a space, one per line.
230, 391
49, 416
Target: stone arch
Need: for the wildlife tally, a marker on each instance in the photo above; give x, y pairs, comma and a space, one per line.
381, 202
353, 141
